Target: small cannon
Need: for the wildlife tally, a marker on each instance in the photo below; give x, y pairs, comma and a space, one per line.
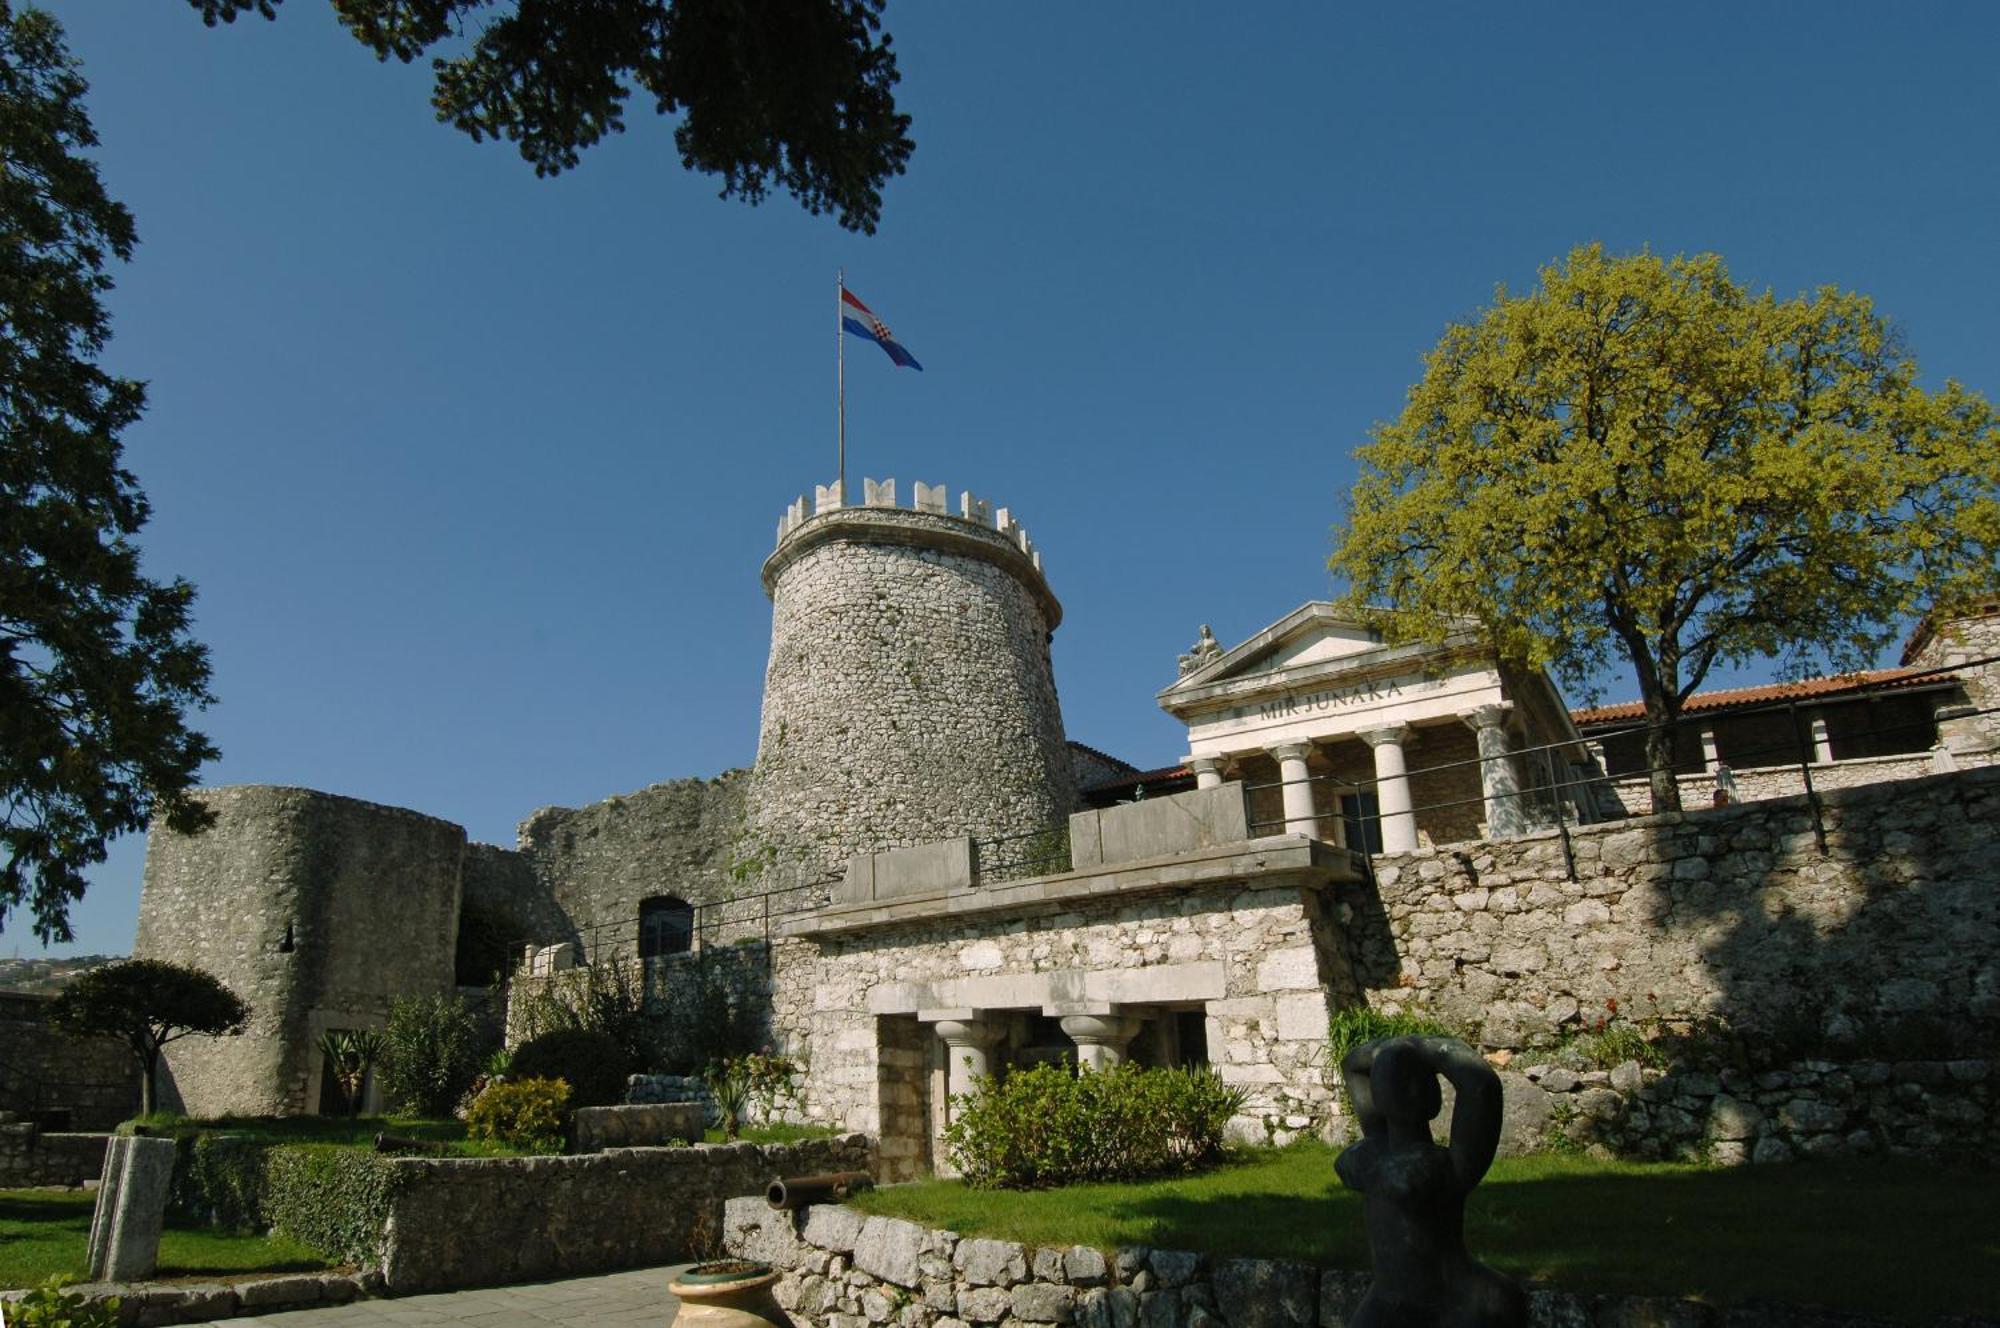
792, 1192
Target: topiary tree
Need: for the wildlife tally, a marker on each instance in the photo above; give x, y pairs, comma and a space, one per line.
148, 1003
593, 1064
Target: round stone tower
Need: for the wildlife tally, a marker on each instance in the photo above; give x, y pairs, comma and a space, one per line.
909, 696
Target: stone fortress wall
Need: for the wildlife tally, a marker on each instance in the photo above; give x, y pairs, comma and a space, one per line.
909, 696
317, 910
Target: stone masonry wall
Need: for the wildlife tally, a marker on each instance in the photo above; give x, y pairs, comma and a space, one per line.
682, 838
317, 910
1810, 1109
909, 696
1281, 960
30, 1156
93, 1082
843, 1269
460, 1222
1953, 644
1729, 913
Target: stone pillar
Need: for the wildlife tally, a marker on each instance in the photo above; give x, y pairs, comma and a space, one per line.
1207, 771
968, 1042
1298, 794
1499, 781
1392, 788
1711, 753
131, 1209
1100, 1039
1822, 741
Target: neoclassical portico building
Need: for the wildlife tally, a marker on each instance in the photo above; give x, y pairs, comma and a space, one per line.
1372, 746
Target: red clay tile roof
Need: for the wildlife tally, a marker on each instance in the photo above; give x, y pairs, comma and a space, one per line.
1628, 711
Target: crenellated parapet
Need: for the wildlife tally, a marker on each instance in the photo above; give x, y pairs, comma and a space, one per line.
974, 525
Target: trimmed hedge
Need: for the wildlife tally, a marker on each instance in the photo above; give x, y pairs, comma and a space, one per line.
332, 1198
590, 1062
219, 1180
1048, 1126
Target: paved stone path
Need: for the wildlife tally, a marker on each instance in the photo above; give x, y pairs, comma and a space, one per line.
634, 1299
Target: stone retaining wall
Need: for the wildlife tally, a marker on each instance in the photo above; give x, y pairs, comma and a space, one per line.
69, 1082
1733, 913
845, 1270
1807, 1109
153, 1304
28, 1156
463, 1222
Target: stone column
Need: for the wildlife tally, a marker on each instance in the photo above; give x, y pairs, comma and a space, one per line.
1392, 788
968, 1042
1207, 771
1298, 794
1100, 1039
1499, 781
1711, 752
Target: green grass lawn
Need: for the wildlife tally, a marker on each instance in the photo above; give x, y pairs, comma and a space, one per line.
43, 1232
1879, 1236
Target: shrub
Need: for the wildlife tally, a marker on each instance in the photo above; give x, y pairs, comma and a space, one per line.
219, 1180
334, 1199
1046, 1126
432, 1053
1356, 1024
49, 1306
523, 1113
592, 1063
701, 1023
1607, 1045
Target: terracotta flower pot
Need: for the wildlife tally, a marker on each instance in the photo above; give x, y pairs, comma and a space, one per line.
728, 1293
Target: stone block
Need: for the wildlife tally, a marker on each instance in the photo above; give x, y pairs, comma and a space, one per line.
1266, 1293
646, 1126
987, 1304
1040, 1302
1160, 1309
1175, 1267
1046, 1265
1084, 1266
833, 1227
888, 1248
1302, 1017
267, 1292
1294, 969
991, 1262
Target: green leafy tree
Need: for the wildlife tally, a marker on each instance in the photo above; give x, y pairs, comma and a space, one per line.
148, 1003
1641, 458
97, 671
793, 93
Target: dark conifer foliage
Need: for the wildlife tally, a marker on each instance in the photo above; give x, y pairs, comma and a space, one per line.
97, 670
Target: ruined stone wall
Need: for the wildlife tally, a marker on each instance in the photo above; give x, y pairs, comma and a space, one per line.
909, 696
1731, 913
464, 1222
317, 910
594, 865
1281, 960
70, 1083
31, 1156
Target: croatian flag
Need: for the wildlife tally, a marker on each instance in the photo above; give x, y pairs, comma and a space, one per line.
859, 319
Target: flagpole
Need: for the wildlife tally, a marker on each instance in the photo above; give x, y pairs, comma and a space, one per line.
840, 385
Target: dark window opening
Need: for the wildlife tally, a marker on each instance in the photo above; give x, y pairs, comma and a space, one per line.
666, 926
1191, 1028
1361, 817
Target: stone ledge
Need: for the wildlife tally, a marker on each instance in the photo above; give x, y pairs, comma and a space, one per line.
1272, 861
153, 1304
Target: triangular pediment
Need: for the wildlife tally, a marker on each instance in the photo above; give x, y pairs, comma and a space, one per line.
1314, 640
1312, 633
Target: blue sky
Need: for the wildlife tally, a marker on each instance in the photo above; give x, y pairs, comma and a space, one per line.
475, 471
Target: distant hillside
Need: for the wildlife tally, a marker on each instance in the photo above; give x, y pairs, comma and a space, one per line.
47, 975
